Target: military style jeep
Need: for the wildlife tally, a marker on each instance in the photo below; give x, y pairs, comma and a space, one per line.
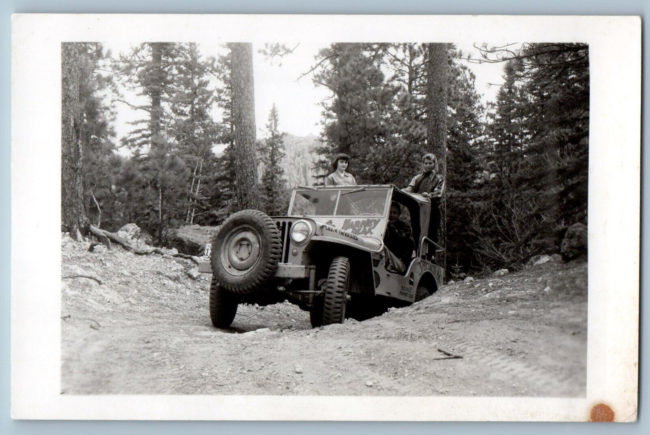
328, 255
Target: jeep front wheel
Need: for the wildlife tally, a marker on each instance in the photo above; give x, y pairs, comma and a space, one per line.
223, 305
336, 291
316, 312
246, 251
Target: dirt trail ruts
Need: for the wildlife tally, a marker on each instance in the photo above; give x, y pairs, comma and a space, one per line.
146, 330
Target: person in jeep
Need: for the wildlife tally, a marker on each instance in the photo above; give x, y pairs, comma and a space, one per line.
430, 184
398, 240
340, 177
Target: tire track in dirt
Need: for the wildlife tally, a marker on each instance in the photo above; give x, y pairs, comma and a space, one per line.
544, 382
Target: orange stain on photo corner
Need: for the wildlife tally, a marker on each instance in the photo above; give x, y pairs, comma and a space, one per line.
601, 413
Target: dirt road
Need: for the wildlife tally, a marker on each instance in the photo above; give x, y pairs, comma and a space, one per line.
140, 325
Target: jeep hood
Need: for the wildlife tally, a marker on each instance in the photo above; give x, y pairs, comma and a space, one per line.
360, 232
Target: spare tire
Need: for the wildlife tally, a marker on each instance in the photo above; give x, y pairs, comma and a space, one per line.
246, 251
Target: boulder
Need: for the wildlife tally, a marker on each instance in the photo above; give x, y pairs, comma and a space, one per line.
191, 239
129, 231
536, 260
468, 279
501, 272
574, 244
194, 273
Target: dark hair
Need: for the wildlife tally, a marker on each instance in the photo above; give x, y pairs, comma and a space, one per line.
340, 156
430, 156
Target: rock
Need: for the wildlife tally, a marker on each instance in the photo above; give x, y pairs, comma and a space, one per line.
536, 260
547, 289
297, 369
146, 238
468, 279
369, 384
451, 282
129, 231
574, 244
191, 239
556, 258
260, 331
501, 272
97, 248
194, 273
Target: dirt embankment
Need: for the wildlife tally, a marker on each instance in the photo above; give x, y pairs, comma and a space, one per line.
140, 324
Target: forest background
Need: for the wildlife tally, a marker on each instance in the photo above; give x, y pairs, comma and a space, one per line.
516, 168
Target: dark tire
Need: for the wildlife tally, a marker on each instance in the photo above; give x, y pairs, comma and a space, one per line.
246, 251
422, 292
336, 291
316, 313
223, 305
426, 287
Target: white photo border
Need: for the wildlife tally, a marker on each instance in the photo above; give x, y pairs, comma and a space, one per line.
614, 212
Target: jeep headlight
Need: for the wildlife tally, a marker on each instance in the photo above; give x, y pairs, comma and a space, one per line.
301, 231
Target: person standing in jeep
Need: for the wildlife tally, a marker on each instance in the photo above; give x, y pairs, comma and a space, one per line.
430, 184
340, 177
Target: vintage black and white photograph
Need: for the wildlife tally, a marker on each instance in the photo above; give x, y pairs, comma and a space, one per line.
358, 218
417, 225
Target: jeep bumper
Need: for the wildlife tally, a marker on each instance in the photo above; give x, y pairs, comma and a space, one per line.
285, 270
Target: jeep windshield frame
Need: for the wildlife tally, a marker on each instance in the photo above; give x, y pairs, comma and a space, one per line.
340, 201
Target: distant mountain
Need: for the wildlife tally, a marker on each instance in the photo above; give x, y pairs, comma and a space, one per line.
300, 158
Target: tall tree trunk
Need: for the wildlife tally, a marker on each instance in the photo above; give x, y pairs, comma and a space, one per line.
437, 83
155, 92
243, 119
436, 101
160, 214
189, 199
198, 190
73, 213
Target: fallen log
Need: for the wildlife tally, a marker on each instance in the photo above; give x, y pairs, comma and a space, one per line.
108, 236
122, 241
101, 236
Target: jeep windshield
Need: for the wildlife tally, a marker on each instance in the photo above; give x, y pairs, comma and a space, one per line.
351, 201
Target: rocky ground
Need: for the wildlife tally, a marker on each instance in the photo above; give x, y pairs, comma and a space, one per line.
139, 324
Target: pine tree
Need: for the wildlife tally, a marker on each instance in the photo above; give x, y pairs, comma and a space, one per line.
243, 122
151, 68
356, 119
539, 134
97, 135
273, 181
73, 212
192, 127
466, 143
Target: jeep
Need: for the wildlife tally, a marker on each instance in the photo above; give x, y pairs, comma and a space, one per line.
328, 255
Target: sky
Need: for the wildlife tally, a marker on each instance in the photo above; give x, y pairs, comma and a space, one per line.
297, 99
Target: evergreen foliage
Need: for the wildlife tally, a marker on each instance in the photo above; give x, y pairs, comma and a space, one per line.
538, 160
93, 83
271, 151
516, 172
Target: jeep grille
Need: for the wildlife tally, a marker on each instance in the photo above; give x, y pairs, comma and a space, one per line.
284, 225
